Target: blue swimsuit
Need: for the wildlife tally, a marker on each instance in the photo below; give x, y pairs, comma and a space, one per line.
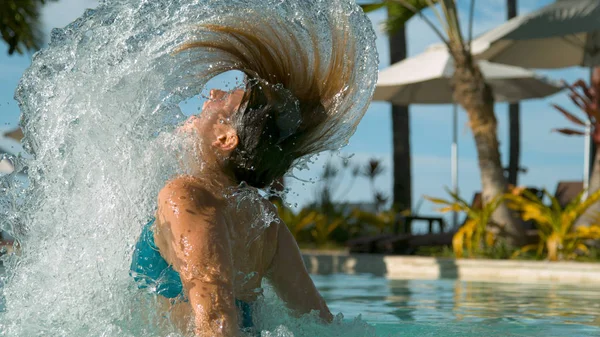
150, 270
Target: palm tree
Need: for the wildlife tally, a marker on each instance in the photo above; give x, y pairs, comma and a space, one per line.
395, 28
513, 120
475, 96
20, 24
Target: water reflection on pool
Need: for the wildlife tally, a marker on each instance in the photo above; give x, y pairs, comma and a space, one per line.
457, 308
452, 308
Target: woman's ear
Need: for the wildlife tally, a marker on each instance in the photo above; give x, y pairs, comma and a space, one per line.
227, 138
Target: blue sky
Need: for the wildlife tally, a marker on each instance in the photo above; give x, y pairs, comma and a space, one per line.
549, 157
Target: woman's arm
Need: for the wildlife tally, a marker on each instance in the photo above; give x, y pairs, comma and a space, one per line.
291, 280
199, 249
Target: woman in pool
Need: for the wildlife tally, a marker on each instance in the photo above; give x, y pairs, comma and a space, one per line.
214, 238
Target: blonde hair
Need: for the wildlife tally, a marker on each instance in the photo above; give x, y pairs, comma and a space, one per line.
299, 93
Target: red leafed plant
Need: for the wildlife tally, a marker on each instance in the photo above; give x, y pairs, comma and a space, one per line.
587, 98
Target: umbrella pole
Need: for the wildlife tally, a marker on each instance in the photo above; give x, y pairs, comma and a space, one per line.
454, 154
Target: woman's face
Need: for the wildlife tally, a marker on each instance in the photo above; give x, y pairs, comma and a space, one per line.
213, 121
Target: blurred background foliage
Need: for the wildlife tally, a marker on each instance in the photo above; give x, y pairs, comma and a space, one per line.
20, 25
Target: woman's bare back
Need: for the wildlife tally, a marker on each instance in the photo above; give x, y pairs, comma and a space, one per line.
253, 223
223, 244
241, 222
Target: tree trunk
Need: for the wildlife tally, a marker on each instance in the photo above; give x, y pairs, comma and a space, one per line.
594, 183
513, 120
402, 161
591, 214
595, 177
475, 96
514, 116
402, 190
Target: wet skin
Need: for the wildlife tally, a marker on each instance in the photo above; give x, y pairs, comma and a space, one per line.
222, 239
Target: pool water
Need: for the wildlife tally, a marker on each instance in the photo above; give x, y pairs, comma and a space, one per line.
452, 308
457, 308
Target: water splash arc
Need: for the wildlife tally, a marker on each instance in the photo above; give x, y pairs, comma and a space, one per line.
99, 105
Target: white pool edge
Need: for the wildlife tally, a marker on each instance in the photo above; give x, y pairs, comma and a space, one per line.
412, 267
429, 268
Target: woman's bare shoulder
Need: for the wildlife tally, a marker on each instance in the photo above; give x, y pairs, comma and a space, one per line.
188, 192
181, 184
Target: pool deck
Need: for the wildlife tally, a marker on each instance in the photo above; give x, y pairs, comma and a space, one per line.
413, 267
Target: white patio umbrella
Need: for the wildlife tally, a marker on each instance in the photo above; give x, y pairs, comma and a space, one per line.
565, 33
426, 79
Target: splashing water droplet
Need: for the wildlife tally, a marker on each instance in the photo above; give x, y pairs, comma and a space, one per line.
99, 107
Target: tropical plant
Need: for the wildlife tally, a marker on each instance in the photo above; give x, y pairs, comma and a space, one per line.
335, 181
296, 222
558, 238
20, 24
308, 224
382, 221
587, 99
323, 227
372, 171
399, 12
476, 233
398, 15
473, 93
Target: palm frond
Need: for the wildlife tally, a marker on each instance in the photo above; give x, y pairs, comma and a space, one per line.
416, 7
580, 209
438, 200
451, 208
575, 202
372, 7
452, 21
20, 24
457, 198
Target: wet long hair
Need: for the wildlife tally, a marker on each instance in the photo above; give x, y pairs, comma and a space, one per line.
298, 89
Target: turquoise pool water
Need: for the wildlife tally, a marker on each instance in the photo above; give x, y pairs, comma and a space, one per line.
455, 308
451, 308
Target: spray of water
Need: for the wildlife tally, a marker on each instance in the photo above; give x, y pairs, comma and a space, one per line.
99, 107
